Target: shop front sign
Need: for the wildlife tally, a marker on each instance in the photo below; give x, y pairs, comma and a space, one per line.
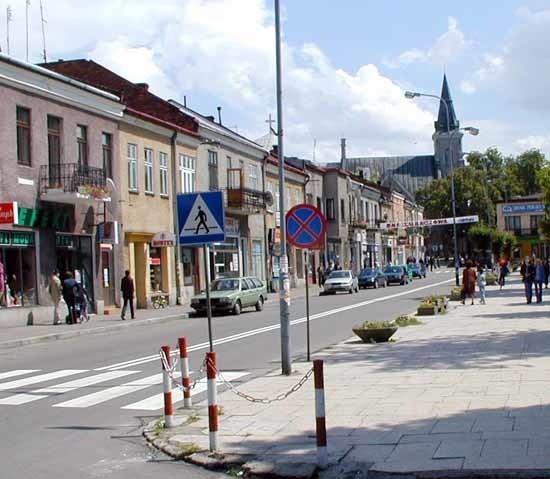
58, 219
8, 213
525, 208
163, 239
16, 238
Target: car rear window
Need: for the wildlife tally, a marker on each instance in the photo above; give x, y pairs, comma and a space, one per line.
257, 283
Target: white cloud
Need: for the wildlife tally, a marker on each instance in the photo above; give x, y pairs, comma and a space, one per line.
223, 50
538, 142
520, 68
447, 48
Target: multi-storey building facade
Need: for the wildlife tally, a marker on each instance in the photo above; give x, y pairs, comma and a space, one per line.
158, 144
59, 139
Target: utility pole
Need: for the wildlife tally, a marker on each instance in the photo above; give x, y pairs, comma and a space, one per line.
284, 283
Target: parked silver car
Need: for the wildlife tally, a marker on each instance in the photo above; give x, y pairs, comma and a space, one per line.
341, 280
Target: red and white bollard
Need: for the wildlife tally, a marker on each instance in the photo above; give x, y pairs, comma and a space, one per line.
185, 381
167, 389
212, 401
321, 429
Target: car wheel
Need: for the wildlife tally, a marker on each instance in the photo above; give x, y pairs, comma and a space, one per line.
260, 304
237, 308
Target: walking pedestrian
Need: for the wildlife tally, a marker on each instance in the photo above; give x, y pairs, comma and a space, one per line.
82, 300
546, 265
55, 290
468, 282
539, 279
529, 280
320, 276
127, 289
481, 282
502, 272
69, 285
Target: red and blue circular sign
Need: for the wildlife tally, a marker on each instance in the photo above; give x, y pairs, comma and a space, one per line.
306, 227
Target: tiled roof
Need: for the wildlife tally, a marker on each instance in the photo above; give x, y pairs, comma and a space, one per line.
136, 97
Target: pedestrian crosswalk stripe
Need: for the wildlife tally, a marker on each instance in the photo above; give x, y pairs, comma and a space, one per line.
17, 372
23, 398
40, 378
156, 402
112, 392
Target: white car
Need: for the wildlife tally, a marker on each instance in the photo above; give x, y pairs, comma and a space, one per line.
341, 280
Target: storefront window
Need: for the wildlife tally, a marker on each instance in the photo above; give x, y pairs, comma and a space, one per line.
257, 259
74, 254
18, 269
226, 258
155, 269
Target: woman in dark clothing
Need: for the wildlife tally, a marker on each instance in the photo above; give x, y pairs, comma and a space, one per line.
529, 279
469, 277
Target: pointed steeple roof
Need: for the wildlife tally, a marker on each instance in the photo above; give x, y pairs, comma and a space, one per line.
441, 123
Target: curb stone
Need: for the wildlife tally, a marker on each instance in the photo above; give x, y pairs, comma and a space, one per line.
15, 343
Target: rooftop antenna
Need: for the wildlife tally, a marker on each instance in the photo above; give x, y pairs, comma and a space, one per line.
27, 5
43, 21
9, 18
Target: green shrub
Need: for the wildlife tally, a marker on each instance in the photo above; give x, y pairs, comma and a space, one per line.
376, 325
404, 321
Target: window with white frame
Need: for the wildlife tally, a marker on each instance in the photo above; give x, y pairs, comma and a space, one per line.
253, 177
213, 170
148, 163
132, 167
163, 173
187, 174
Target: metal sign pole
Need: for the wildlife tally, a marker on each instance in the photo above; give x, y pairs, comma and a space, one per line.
306, 269
207, 290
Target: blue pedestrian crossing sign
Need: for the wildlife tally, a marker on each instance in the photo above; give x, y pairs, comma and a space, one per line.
201, 217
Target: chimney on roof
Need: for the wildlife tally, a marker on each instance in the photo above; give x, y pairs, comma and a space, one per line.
145, 86
210, 118
343, 153
275, 150
220, 115
60, 60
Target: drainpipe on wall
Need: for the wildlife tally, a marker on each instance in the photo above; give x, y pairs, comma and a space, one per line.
266, 240
177, 248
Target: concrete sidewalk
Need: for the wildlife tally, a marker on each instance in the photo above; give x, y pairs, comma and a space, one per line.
465, 393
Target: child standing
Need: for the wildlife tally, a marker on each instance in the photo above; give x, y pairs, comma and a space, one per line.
481, 282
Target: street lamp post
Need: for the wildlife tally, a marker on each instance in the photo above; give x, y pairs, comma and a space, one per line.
472, 131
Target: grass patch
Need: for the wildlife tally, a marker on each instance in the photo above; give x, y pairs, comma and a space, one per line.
188, 449
193, 417
404, 321
158, 427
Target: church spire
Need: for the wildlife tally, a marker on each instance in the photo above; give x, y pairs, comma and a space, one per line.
441, 123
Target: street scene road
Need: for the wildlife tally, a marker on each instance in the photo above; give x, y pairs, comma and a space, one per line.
87, 398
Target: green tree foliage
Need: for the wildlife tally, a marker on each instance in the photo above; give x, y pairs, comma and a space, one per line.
484, 238
543, 178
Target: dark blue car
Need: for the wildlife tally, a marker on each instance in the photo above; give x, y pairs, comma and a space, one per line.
396, 274
372, 278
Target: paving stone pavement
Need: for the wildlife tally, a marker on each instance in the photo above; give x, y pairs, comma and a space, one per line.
463, 392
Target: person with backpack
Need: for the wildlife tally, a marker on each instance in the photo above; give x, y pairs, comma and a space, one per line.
68, 292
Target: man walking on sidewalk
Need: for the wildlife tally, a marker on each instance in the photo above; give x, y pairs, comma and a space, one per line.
55, 288
529, 279
127, 289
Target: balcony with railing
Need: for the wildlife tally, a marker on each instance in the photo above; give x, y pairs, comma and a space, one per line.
71, 182
240, 199
525, 232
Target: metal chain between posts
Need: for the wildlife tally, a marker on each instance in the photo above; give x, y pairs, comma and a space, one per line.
279, 397
170, 370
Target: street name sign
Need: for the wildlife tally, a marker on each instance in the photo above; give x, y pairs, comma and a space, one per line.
433, 222
200, 217
306, 227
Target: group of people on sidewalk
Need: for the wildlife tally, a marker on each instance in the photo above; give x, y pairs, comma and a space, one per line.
73, 293
534, 273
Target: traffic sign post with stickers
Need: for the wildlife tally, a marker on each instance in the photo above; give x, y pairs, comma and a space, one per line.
200, 222
306, 227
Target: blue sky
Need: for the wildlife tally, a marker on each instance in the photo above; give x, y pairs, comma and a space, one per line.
346, 64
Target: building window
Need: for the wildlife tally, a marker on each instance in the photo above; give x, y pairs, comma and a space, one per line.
82, 141
163, 173
107, 152
330, 209
253, 177
512, 223
342, 210
187, 174
132, 167
257, 259
534, 223
212, 170
54, 150
148, 162
23, 117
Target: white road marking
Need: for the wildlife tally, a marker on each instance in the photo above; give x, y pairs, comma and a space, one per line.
17, 372
254, 332
113, 392
40, 378
156, 402
24, 398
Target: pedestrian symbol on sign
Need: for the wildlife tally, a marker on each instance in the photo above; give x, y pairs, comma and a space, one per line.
201, 216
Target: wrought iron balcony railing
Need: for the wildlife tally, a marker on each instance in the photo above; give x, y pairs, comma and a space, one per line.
248, 199
71, 178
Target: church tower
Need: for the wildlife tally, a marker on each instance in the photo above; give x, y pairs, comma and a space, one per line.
447, 137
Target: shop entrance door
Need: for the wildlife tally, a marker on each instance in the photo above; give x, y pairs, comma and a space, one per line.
107, 277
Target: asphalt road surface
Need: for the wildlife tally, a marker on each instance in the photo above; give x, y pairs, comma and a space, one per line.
75, 407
